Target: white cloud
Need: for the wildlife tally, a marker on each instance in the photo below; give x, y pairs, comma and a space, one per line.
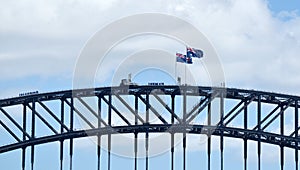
258, 49
51, 18
286, 15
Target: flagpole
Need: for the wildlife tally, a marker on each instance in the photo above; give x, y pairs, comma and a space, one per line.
185, 71
185, 64
175, 71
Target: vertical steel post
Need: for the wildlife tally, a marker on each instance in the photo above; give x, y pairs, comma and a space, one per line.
32, 133
259, 130
71, 129
99, 136
147, 133
24, 137
109, 123
184, 130
281, 133
222, 124
172, 134
208, 136
62, 117
136, 110
296, 134
245, 139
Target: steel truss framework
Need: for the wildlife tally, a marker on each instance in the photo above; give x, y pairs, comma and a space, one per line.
178, 123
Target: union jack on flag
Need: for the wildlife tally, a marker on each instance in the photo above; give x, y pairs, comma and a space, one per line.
193, 52
180, 58
183, 58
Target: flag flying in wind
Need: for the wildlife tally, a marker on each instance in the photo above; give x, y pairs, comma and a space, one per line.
192, 52
189, 60
183, 58
180, 58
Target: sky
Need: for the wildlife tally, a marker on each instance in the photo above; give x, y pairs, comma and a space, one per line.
257, 43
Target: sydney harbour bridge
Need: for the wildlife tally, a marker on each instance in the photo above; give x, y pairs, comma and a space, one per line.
246, 106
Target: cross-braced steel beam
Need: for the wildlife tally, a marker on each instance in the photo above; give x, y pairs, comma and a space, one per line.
62, 126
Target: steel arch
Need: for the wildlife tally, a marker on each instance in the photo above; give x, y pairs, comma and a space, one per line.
178, 123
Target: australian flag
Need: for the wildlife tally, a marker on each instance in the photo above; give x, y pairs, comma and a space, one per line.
183, 58
192, 52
